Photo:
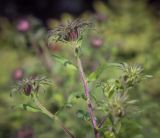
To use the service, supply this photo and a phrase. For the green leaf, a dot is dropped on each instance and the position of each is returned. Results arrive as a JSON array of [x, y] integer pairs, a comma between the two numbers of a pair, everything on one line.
[[65, 62], [75, 96], [80, 114], [27, 107], [148, 76], [118, 127], [68, 105], [95, 75], [132, 101], [109, 134], [86, 116]]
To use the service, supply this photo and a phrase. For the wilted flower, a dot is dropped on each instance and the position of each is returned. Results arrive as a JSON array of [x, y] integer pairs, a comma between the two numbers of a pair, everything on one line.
[[71, 31], [23, 25], [30, 85]]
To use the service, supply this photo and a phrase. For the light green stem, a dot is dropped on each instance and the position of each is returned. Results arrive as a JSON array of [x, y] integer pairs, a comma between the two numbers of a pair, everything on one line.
[[49, 114]]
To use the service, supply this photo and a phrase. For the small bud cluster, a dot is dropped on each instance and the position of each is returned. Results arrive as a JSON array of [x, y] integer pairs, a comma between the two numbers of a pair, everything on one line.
[[117, 102], [131, 74]]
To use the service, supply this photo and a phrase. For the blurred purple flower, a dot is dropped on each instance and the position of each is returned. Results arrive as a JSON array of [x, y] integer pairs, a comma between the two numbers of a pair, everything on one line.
[[100, 17], [23, 25], [96, 42], [18, 74], [25, 133]]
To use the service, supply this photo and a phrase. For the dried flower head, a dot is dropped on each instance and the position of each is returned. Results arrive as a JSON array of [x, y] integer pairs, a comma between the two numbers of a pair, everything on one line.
[[30, 85], [71, 31]]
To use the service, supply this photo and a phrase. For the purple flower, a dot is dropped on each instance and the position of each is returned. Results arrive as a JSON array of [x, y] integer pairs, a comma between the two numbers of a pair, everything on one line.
[[18, 74], [100, 17], [23, 25], [25, 133], [96, 42], [28, 89]]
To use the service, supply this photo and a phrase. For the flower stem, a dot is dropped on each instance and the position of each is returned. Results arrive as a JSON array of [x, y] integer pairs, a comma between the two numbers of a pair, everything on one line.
[[103, 121], [87, 94], [49, 114]]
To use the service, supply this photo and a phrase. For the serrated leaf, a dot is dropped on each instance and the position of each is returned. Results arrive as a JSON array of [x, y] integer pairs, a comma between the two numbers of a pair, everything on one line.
[[27, 107], [65, 62]]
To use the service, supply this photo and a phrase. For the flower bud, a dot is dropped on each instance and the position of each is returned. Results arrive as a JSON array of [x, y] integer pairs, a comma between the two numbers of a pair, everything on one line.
[[28, 89], [120, 113], [73, 35]]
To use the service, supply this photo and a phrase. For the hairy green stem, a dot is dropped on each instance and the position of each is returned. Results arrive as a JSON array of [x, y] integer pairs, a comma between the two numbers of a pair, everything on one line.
[[89, 102], [49, 114]]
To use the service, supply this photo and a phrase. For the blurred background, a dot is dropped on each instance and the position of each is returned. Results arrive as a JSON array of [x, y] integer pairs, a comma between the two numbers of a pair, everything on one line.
[[126, 31]]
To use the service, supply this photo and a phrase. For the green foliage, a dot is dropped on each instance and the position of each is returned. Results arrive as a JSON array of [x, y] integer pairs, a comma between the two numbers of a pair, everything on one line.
[[65, 62], [95, 75], [27, 107], [120, 92]]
